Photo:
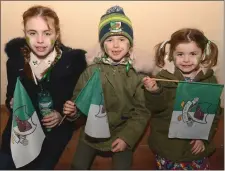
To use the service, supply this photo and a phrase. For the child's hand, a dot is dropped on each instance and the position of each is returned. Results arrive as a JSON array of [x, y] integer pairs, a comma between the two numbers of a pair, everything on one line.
[[11, 103], [52, 119], [150, 84], [118, 145], [69, 109], [198, 146]]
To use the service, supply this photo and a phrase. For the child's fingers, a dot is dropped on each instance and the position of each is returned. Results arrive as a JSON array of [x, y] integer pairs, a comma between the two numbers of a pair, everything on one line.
[[118, 147], [194, 149], [152, 80], [50, 123], [115, 142], [69, 109], [69, 102], [149, 81], [200, 146], [146, 81], [145, 78], [197, 150], [68, 112], [115, 146], [50, 115], [53, 124], [48, 118], [194, 146], [152, 83], [203, 148], [11, 103], [192, 141]]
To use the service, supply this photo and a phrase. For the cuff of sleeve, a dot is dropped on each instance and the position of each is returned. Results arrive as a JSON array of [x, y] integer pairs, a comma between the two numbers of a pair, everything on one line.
[[157, 92], [73, 118], [129, 143]]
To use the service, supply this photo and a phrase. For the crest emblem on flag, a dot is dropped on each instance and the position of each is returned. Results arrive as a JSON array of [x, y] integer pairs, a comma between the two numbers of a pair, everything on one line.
[[22, 126], [194, 110]]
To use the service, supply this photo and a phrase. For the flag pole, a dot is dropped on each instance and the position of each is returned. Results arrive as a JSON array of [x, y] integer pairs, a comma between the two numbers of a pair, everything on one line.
[[158, 79], [62, 120]]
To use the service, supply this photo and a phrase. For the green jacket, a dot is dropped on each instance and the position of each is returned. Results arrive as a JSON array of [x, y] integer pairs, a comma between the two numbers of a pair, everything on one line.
[[124, 102], [161, 104]]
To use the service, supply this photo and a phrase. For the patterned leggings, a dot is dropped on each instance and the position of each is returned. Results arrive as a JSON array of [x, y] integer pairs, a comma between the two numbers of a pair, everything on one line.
[[165, 164]]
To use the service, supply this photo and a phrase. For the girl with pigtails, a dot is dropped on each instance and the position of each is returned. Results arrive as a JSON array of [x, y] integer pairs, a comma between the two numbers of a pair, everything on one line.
[[191, 56], [43, 63]]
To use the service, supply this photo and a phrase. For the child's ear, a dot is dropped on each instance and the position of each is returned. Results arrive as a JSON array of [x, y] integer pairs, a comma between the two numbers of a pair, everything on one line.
[[131, 50], [57, 36]]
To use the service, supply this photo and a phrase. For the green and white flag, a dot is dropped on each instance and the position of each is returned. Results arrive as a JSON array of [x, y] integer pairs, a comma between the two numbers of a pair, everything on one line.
[[194, 110], [27, 135], [90, 102]]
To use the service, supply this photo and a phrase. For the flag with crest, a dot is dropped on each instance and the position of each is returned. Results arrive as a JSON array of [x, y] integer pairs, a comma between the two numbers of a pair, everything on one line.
[[195, 107], [90, 102], [27, 135]]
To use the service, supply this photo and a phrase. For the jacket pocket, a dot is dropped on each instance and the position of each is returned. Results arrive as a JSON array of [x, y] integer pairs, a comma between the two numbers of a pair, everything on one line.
[[115, 119], [126, 115]]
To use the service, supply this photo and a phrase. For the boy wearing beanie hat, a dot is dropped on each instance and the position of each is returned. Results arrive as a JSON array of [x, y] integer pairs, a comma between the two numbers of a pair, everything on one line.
[[123, 95], [115, 22]]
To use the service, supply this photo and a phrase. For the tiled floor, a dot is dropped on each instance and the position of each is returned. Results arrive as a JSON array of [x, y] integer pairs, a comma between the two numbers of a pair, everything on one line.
[[143, 157]]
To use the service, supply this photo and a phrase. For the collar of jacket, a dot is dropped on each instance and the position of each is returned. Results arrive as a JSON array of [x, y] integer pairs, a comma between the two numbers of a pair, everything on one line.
[[177, 75]]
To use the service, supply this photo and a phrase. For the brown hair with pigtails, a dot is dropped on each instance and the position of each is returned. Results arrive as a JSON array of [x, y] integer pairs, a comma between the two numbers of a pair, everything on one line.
[[160, 54], [46, 13], [186, 35]]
